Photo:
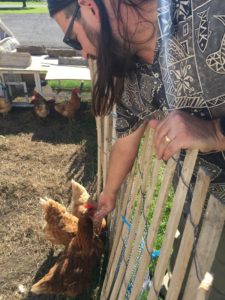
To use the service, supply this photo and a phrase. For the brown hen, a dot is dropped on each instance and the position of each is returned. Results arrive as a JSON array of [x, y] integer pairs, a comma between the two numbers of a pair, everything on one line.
[[71, 274], [69, 108], [81, 204], [5, 106], [60, 226], [42, 107], [79, 197]]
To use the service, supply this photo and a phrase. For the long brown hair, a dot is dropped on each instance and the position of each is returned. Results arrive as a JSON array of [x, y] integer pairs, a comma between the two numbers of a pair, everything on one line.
[[114, 61]]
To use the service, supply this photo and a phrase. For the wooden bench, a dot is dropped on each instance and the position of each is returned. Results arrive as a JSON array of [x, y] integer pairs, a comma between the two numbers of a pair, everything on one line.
[[24, 2]]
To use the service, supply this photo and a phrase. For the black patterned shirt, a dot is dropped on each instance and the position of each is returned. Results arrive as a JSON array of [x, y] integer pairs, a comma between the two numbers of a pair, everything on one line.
[[188, 73]]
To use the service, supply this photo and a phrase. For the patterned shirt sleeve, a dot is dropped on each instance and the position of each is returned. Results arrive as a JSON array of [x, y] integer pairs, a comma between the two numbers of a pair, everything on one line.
[[143, 90]]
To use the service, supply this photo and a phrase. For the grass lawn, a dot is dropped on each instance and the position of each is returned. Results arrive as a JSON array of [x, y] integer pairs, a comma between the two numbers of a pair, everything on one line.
[[69, 84], [17, 8]]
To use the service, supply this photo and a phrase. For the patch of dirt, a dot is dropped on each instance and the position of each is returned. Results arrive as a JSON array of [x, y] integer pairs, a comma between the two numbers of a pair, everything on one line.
[[38, 158]]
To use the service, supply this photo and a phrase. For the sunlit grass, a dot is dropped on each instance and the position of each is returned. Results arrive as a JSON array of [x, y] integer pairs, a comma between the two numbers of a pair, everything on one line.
[[69, 84]]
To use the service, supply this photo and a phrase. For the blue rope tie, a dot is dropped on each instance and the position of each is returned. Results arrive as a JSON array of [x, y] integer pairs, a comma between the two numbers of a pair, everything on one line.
[[126, 222], [155, 253]]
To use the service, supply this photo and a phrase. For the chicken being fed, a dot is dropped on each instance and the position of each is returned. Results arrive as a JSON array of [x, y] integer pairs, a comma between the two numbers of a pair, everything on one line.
[[71, 274], [42, 107], [81, 203], [69, 108], [79, 197], [61, 226], [5, 106]]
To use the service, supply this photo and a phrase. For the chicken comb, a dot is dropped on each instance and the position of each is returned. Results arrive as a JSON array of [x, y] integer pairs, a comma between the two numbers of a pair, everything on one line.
[[75, 91], [91, 208], [88, 205]]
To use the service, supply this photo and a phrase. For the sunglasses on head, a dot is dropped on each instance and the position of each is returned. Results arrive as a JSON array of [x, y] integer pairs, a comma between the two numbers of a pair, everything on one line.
[[67, 38]]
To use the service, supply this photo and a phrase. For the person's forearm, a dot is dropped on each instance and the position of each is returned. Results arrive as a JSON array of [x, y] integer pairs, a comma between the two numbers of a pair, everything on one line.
[[122, 157]]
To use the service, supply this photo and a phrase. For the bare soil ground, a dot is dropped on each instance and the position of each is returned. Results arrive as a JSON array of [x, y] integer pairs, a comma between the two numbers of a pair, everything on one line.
[[38, 158]]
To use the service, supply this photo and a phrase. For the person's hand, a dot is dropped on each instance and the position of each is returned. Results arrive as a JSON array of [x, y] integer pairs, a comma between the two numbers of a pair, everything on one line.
[[180, 130], [106, 204]]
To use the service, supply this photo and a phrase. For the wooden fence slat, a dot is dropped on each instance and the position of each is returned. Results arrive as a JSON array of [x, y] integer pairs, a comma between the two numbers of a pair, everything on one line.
[[123, 267], [123, 200], [111, 271], [188, 239], [102, 145], [118, 207], [99, 171], [147, 161], [116, 212], [179, 198], [208, 239], [92, 67], [153, 229], [107, 134], [106, 148], [114, 136]]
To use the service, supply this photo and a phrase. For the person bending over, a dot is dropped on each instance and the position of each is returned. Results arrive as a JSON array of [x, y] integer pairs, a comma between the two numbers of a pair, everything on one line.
[[161, 63]]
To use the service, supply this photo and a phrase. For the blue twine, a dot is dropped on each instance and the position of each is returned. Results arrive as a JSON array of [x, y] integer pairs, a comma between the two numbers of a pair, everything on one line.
[[126, 222], [155, 253]]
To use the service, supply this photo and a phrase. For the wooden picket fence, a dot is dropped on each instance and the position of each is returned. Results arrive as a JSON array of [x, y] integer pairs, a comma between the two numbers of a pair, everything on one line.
[[133, 233]]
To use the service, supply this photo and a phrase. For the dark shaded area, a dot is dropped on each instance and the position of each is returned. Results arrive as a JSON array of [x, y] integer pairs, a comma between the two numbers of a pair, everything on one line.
[[92, 294], [23, 2], [15, 8]]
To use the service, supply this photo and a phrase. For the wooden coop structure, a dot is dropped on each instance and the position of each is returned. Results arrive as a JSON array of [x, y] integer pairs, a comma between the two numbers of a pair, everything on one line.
[[29, 75], [134, 226]]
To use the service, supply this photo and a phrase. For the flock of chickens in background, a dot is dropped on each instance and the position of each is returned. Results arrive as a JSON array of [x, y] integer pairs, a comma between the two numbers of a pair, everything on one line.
[[44, 108], [83, 240]]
